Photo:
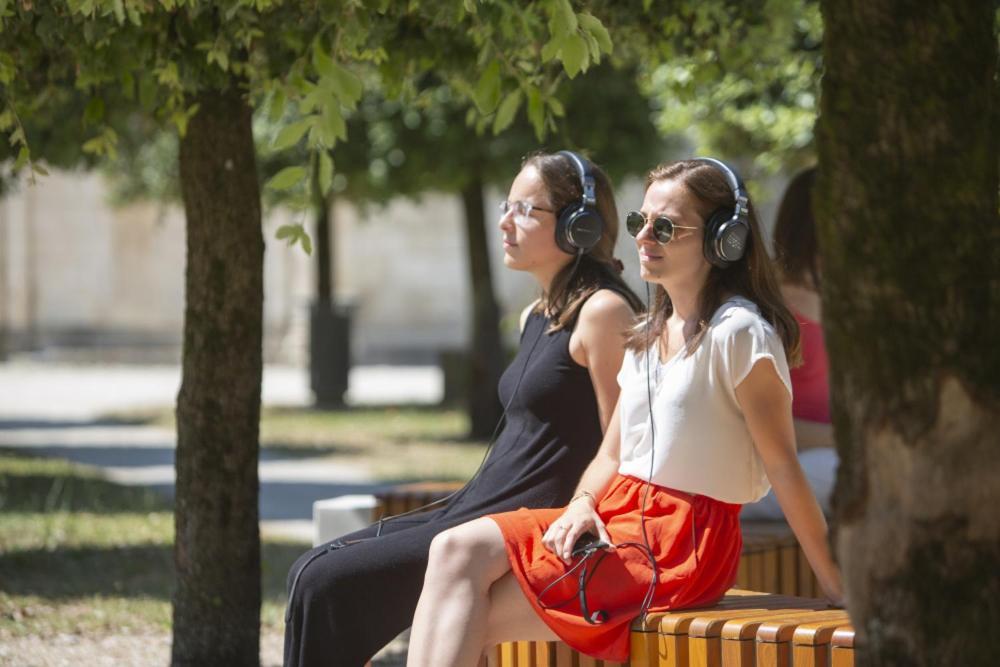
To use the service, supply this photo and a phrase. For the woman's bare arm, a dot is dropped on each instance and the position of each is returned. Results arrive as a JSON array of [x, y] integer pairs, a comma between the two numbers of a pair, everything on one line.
[[766, 407]]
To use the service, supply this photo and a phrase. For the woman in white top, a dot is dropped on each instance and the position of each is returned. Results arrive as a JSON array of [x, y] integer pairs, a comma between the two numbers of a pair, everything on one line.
[[703, 425]]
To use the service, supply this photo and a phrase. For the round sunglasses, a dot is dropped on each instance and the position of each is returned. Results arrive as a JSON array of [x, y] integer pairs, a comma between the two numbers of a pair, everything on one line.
[[663, 227]]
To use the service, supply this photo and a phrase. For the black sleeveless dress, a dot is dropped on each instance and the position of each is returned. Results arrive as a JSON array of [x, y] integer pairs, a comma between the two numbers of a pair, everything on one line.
[[349, 602]]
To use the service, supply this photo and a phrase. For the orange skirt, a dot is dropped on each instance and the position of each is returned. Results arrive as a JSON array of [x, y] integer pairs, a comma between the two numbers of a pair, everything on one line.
[[695, 540]]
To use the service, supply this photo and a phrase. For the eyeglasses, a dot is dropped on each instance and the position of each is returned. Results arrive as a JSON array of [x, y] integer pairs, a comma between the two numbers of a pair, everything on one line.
[[520, 208], [663, 227]]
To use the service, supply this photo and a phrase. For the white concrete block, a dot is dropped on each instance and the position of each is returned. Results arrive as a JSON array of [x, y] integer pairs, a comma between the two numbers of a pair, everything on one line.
[[333, 517]]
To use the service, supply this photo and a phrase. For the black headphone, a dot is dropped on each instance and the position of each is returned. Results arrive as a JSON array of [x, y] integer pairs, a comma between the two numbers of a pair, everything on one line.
[[727, 230], [579, 225]]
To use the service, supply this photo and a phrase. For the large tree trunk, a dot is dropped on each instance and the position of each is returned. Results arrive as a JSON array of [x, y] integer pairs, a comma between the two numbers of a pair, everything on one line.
[[217, 544], [910, 238], [486, 350]]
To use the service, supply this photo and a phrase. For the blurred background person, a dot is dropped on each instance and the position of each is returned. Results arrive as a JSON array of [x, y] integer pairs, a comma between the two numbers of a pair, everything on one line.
[[801, 274]]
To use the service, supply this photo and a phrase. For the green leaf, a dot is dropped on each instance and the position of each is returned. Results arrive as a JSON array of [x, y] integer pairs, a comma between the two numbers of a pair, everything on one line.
[[574, 55], [563, 20], [321, 61], [325, 172], [487, 94], [593, 25], [7, 68], [312, 99], [17, 137], [507, 111], [39, 169], [346, 85], [23, 156], [332, 126], [286, 178], [552, 48], [291, 134], [295, 234], [470, 6], [536, 112], [277, 110], [557, 107], [220, 57], [119, 7]]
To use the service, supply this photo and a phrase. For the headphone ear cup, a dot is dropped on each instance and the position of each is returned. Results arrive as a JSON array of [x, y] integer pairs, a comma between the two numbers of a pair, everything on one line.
[[713, 225], [578, 228], [725, 238]]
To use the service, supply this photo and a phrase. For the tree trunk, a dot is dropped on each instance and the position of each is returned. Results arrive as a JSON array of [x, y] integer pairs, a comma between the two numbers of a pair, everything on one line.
[[910, 237], [486, 350], [322, 205], [216, 616], [329, 325]]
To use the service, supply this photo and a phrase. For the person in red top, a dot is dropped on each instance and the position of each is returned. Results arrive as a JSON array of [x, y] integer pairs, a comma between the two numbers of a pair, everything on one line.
[[800, 267]]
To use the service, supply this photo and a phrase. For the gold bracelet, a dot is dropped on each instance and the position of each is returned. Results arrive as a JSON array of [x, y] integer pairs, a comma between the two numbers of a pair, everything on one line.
[[581, 494]]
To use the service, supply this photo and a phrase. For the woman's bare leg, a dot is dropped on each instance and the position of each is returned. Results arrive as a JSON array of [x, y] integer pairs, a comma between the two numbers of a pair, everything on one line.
[[511, 617], [450, 623]]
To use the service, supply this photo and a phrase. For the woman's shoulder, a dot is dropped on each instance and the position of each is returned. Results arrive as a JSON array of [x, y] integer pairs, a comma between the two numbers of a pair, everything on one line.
[[739, 316], [606, 302], [605, 310]]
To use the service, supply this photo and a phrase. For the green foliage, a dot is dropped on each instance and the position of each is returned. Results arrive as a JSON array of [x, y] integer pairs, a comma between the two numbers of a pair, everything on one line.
[[744, 77], [295, 233], [741, 78], [159, 55]]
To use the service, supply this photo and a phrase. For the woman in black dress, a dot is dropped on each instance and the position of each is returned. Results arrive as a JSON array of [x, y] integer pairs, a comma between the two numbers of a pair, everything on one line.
[[350, 597]]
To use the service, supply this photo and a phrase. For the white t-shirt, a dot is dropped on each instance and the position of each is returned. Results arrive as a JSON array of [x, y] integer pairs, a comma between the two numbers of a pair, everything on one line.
[[703, 445]]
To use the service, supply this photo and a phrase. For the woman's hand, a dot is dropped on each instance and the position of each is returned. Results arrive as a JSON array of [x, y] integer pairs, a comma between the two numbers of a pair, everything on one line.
[[832, 587], [580, 517]]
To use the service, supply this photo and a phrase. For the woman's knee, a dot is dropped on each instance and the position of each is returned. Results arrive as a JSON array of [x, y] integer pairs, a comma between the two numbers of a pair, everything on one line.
[[450, 552], [467, 551], [317, 579]]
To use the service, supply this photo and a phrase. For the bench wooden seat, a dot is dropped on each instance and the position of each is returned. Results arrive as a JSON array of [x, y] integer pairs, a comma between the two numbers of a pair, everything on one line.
[[745, 629]]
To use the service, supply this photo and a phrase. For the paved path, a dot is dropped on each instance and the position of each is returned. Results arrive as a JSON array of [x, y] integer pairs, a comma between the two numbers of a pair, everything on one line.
[[54, 410]]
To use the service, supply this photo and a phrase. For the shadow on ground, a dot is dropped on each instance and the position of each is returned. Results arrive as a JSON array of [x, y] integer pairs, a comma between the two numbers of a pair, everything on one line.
[[138, 570], [30, 483]]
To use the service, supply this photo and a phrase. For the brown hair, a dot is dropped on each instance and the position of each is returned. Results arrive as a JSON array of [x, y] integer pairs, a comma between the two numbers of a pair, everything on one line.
[[752, 277], [795, 232], [597, 269]]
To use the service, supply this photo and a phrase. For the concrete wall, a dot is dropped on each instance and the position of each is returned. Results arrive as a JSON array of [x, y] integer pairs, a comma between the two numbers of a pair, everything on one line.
[[81, 278]]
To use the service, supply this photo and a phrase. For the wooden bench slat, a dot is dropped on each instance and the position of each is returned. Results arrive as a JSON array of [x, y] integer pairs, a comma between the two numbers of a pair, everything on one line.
[[842, 647]]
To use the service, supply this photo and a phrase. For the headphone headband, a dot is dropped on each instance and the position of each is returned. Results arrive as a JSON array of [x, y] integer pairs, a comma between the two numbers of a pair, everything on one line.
[[727, 232], [586, 178], [740, 196], [579, 226]]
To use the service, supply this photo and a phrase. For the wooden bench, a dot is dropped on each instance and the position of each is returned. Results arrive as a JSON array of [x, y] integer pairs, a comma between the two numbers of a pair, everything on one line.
[[772, 560], [745, 629]]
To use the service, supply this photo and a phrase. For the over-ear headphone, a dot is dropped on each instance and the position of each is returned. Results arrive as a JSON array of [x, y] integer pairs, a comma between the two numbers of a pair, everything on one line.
[[579, 225], [727, 230]]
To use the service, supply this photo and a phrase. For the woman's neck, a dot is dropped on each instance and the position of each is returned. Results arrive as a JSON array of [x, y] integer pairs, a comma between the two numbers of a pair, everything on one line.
[[546, 275], [685, 298]]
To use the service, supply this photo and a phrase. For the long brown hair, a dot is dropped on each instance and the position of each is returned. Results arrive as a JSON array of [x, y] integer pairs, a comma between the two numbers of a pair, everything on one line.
[[571, 287], [752, 277], [795, 232]]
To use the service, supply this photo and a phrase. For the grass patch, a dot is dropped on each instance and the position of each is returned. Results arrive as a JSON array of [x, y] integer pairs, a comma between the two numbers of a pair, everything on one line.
[[79, 554]]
